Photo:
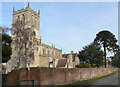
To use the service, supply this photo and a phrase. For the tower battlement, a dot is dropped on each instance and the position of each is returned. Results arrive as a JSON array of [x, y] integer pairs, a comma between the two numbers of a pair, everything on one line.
[[26, 9]]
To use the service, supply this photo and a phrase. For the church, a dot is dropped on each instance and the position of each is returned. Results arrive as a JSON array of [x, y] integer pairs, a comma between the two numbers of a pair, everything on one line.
[[27, 44]]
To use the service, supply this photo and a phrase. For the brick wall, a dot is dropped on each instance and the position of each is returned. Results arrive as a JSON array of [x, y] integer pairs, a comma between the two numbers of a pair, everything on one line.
[[44, 76]]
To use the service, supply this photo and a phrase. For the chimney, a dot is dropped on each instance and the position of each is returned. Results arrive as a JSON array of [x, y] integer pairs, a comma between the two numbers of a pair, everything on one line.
[[72, 52]]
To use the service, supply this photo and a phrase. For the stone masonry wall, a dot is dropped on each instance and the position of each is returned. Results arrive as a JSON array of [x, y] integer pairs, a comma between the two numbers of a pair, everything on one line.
[[44, 76]]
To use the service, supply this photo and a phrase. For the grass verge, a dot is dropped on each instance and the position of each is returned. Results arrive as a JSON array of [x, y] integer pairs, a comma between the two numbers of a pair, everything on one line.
[[85, 81]]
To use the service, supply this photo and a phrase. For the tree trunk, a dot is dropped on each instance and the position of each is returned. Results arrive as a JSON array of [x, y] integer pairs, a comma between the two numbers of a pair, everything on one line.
[[105, 55], [112, 59]]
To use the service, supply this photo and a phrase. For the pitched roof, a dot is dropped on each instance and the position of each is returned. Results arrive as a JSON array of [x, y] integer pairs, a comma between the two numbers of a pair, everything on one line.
[[61, 62]]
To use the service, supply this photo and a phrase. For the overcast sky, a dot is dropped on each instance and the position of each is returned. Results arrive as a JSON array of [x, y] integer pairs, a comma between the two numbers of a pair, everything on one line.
[[69, 25]]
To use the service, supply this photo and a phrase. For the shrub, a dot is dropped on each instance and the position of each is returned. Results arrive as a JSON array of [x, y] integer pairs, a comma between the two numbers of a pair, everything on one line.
[[94, 66], [83, 65]]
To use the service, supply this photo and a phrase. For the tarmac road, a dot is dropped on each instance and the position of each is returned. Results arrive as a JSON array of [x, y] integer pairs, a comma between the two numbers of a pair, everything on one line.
[[110, 81]]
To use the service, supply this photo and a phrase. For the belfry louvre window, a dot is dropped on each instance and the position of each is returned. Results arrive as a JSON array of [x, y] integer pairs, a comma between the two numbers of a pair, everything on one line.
[[23, 18], [34, 33], [18, 19]]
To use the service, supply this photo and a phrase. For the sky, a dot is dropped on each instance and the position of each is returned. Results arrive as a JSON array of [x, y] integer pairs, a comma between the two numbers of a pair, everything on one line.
[[69, 25]]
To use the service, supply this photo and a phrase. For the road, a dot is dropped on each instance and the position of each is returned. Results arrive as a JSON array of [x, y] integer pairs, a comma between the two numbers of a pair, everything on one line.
[[110, 81]]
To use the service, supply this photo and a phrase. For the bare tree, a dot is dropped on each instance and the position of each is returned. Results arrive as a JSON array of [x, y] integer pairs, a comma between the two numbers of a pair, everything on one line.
[[4, 30]]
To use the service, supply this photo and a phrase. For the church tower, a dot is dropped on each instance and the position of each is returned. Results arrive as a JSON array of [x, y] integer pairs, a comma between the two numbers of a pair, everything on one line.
[[30, 18], [25, 37]]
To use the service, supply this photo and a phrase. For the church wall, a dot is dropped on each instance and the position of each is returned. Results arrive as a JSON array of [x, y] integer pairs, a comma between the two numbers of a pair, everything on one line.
[[40, 62]]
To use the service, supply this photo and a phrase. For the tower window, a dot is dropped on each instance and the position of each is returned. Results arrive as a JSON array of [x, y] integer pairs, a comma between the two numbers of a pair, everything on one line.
[[18, 19], [34, 33], [23, 18], [43, 51]]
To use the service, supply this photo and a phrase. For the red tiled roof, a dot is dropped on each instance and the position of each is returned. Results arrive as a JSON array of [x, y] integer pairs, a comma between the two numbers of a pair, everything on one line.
[[61, 62]]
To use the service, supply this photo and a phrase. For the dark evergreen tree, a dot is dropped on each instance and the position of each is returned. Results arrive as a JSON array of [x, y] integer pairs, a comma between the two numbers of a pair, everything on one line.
[[107, 40], [91, 54], [6, 44]]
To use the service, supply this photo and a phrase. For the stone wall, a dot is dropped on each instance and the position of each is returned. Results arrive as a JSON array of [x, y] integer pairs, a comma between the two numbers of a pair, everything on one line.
[[44, 76]]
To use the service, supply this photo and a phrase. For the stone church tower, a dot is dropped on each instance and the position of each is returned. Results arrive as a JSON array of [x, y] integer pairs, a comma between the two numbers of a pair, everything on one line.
[[25, 37]]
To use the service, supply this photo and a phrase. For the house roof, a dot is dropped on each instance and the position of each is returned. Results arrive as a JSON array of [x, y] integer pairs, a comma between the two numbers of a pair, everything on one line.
[[61, 62]]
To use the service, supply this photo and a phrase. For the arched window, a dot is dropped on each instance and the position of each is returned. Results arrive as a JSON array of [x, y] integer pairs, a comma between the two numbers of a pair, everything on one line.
[[34, 33], [18, 19], [23, 18], [43, 51]]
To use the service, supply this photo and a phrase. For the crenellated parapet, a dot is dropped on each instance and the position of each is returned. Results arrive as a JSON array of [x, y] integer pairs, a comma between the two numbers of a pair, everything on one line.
[[50, 51], [51, 47], [25, 10]]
